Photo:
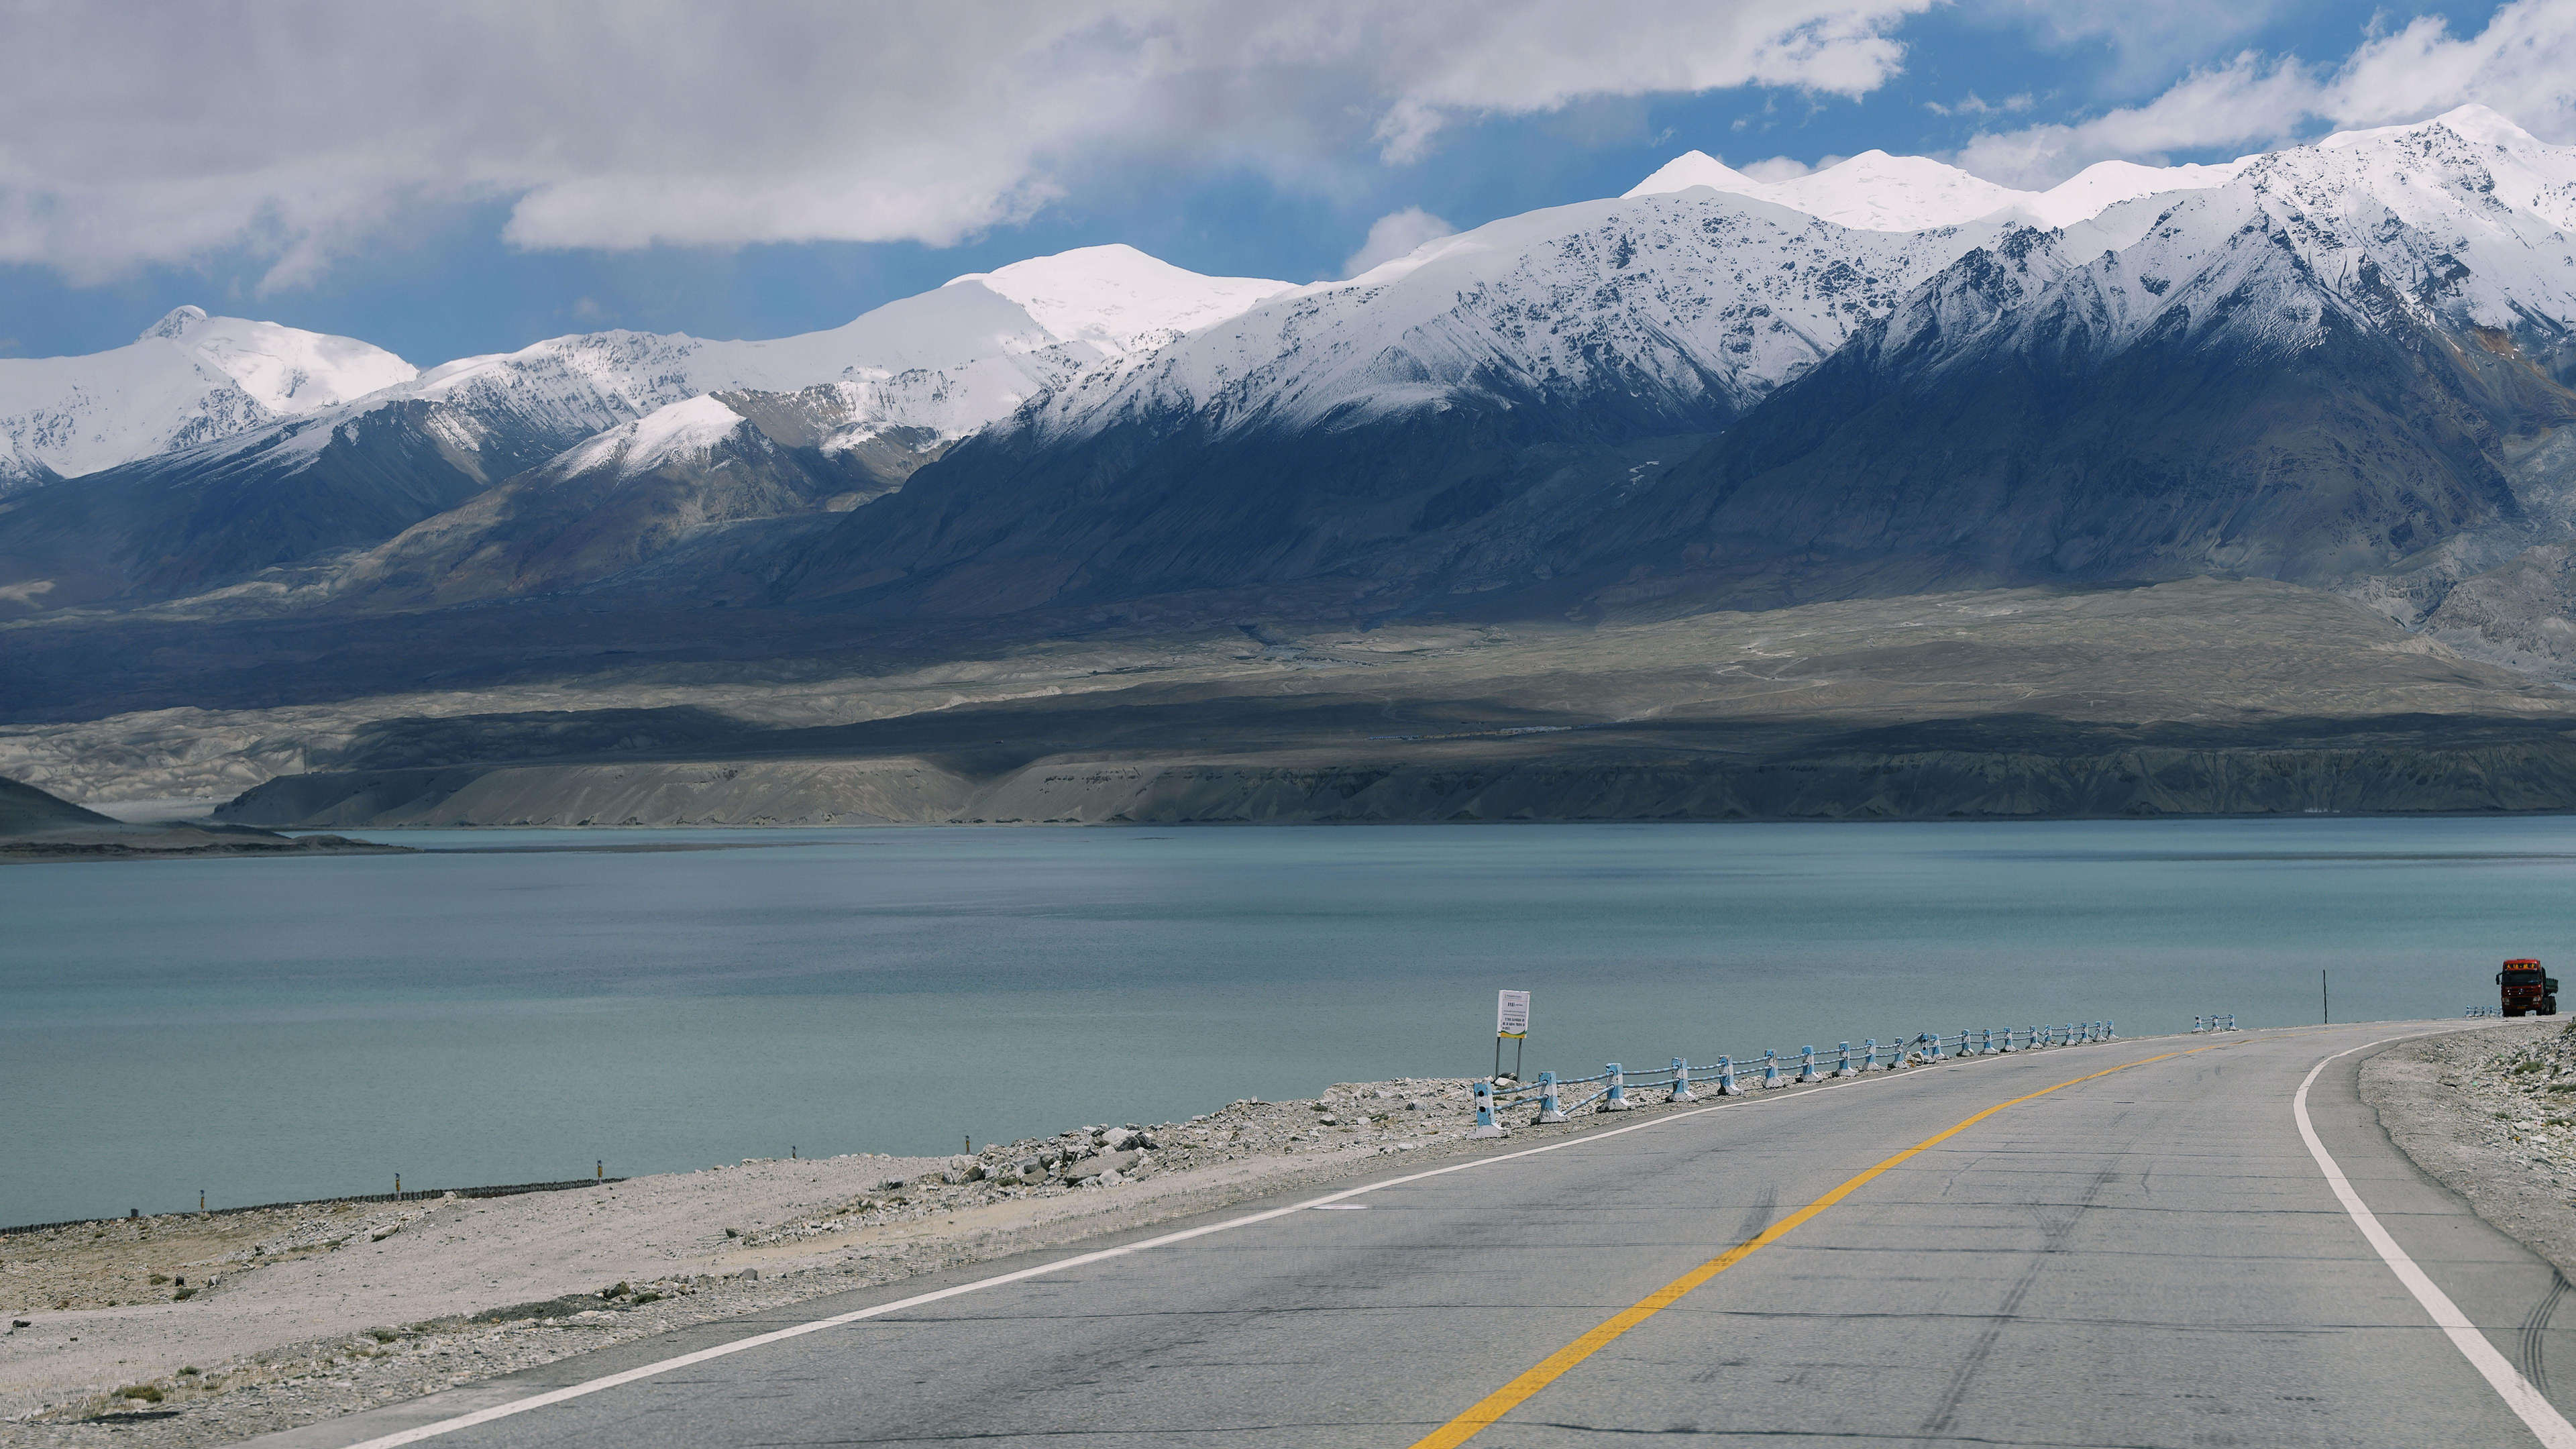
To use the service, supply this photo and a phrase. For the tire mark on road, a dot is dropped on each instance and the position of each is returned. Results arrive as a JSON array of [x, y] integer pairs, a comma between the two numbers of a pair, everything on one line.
[[2056, 1228], [2535, 1333]]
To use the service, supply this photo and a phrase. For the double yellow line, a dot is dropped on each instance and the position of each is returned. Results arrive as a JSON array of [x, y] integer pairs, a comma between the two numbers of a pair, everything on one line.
[[1548, 1370]]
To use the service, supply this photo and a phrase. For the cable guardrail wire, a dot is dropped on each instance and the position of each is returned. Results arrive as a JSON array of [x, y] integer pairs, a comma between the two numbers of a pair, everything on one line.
[[1682, 1082]]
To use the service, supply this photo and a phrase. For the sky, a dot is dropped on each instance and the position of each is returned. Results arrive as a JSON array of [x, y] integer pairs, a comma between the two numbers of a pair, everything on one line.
[[473, 177]]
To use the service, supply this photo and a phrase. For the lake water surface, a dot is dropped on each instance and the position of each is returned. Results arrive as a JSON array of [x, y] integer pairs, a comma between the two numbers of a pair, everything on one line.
[[514, 1006]]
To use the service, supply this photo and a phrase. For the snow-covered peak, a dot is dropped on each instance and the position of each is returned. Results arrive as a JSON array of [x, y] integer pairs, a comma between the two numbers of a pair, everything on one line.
[[189, 379], [176, 321], [2105, 184], [1116, 297], [684, 431], [1694, 168], [1874, 191]]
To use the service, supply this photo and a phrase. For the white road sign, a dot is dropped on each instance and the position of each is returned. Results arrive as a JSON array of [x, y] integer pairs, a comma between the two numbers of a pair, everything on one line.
[[1511, 1013]]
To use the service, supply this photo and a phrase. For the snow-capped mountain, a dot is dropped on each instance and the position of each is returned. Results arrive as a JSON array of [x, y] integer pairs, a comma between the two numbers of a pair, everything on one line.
[[2317, 348], [188, 379], [1692, 306], [1874, 191], [2310, 370], [948, 360], [1531, 343], [901, 380]]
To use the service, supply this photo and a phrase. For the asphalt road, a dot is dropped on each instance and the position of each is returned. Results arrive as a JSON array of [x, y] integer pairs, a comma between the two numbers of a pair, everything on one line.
[[2149, 1257]]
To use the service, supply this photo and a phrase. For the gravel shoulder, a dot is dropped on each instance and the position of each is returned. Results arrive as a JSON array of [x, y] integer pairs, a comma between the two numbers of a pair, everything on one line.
[[2491, 1115], [292, 1315]]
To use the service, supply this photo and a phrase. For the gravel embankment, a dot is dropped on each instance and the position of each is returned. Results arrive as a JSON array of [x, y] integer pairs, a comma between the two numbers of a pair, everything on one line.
[[183, 1330], [2491, 1114]]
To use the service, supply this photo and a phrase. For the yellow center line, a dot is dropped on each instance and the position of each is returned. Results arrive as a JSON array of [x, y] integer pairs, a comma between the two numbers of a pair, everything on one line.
[[1548, 1370]]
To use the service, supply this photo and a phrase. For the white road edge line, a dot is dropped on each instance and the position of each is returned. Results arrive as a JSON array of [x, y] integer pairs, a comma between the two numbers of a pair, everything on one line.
[[609, 1381], [2547, 1425]]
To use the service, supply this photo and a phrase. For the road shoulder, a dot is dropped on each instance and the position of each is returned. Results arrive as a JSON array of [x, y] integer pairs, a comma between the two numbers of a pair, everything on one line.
[[2476, 1111]]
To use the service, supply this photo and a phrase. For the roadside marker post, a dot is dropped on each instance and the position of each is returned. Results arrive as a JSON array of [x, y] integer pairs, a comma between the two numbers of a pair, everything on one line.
[[1616, 1100], [1872, 1064], [1807, 1065], [1486, 1126], [1727, 1086], [1843, 1068], [1681, 1081], [1770, 1069], [1548, 1110]]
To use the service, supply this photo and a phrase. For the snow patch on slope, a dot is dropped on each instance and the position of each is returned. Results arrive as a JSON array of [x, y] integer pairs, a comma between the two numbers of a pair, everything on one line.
[[685, 431]]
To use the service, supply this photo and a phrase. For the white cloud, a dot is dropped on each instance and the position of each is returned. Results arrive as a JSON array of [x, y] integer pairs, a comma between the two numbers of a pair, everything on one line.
[[1393, 235], [1977, 105], [2522, 64], [296, 129]]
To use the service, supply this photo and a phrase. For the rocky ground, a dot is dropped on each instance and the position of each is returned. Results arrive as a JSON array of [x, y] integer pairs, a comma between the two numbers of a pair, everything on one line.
[[2491, 1114], [187, 1329]]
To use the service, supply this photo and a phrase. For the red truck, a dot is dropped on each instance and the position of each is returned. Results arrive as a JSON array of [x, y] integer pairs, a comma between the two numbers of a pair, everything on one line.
[[2527, 989]]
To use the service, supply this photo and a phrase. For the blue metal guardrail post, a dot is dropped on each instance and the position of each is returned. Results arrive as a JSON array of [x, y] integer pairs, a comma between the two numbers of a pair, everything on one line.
[[1936, 1050], [1986, 1041], [2110, 1030], [1771, 1069], [1871, 1064], [1681, 1081], [1548, 1110], [1807, 1065], [1727, 1086], [2071, 1037], [1485, 1126], [2231, 1021], [1617, 1098], [1843, 1067]]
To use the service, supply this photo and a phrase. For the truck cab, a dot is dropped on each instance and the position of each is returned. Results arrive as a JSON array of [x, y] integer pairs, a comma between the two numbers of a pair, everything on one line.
[[2527, 989]]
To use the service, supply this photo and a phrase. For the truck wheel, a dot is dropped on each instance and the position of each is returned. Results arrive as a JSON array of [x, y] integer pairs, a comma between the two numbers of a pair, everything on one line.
[[2549, 1006]]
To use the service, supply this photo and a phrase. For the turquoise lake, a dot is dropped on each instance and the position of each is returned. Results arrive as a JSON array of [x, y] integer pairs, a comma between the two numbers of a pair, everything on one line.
[[521, 1005]]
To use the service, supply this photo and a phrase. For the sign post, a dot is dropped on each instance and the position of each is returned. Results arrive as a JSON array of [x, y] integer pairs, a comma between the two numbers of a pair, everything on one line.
[[1511, 1019]]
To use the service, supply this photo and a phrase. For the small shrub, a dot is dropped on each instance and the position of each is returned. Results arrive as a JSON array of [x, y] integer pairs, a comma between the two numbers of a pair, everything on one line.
[[183, 1295], [620, 1291], [188, 1373], [145, 1392], [648, 1298], [383, 1335], [157, 1279]]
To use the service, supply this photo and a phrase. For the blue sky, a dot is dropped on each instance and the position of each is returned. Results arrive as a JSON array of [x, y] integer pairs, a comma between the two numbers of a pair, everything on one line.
[[422, 265]]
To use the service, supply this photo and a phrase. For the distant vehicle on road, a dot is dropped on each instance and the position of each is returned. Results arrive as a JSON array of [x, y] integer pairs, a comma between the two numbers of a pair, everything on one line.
[[2526, 989]]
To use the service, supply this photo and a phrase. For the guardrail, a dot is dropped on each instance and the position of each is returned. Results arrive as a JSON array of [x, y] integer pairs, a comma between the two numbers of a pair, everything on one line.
[[2212, 1023], [2483, 1011], [1681, 1082]]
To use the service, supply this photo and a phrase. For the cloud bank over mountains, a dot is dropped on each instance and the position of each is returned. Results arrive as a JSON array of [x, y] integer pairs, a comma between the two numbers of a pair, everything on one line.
[[297, 129], [296, 133]]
